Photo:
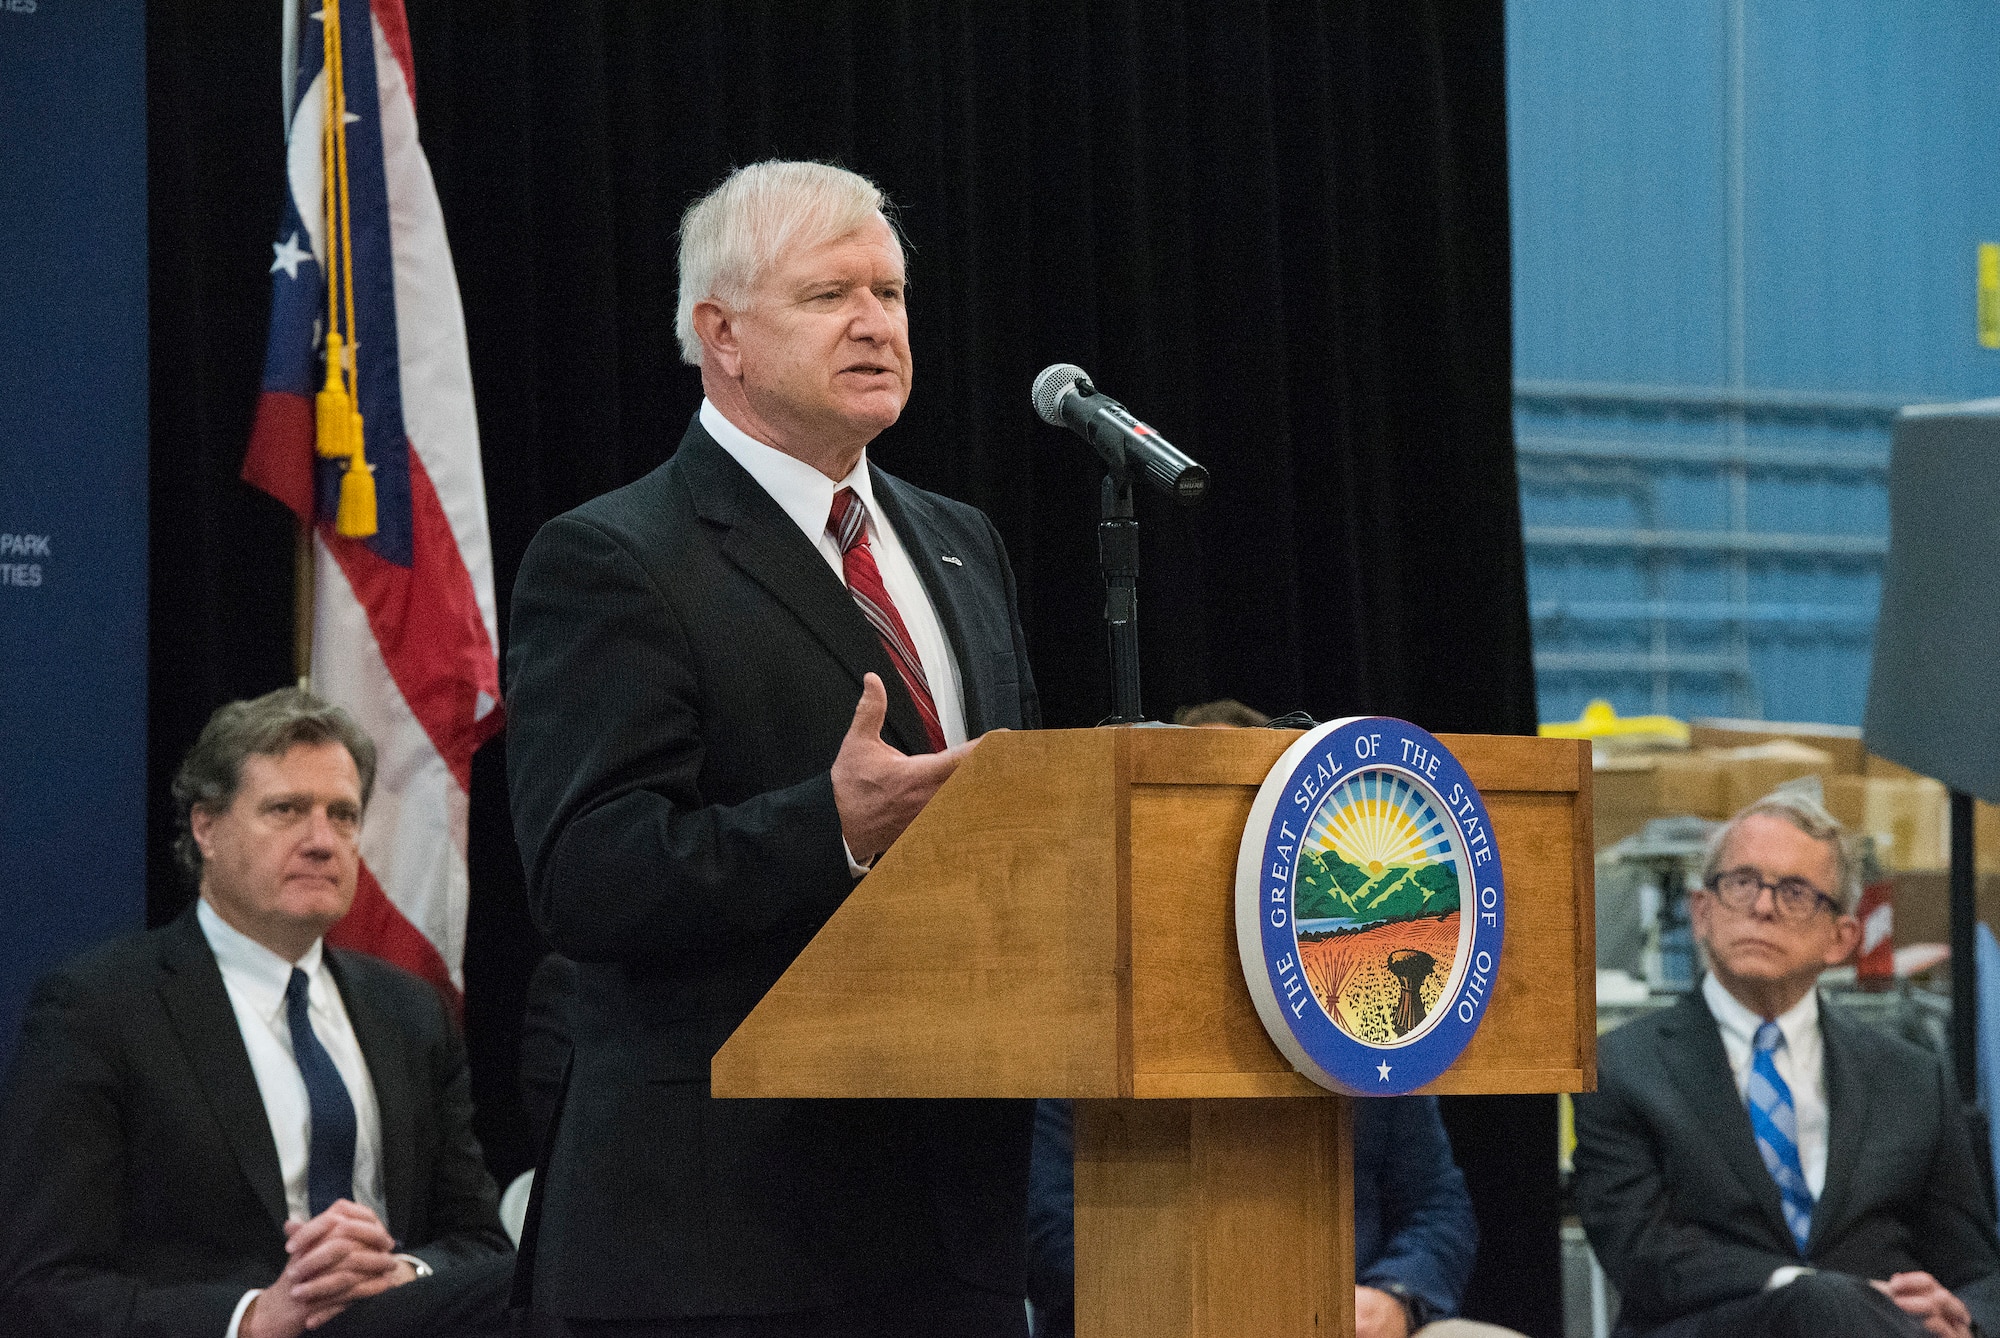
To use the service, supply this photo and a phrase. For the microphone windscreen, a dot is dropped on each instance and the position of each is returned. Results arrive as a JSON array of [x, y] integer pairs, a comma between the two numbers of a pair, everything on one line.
[[1054, 381]]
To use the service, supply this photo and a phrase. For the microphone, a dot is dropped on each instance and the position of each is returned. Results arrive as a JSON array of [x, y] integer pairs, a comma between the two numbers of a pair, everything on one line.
[[1064, 397]]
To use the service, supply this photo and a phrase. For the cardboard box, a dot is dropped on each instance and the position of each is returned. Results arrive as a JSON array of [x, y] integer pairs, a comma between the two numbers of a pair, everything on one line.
[[1749, 773], [1909, 815], [1630, 790], [1985, 817], [1887, 770], [1910, 821], [1623, 791], [1923, 906], [1691, 785], [1841, 743], [1846, 797]]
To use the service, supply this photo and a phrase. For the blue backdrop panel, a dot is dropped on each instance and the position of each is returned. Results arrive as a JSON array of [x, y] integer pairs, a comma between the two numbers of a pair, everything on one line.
[[1745, 233], [72, 483]]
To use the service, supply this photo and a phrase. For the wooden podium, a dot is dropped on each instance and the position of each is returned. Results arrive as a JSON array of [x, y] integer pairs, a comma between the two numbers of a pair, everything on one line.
[[1060, 922]]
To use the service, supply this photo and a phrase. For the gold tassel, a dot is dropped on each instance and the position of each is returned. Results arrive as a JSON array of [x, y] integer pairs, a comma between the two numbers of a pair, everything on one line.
[[334, 434], [356, 517], [339, 414]]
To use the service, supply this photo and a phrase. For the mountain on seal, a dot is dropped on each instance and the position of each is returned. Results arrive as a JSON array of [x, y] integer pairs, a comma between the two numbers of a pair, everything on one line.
[[1330, 888]]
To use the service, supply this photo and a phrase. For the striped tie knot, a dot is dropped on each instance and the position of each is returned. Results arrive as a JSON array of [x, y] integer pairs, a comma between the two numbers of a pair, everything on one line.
[[848, 522], [1768, 1038]]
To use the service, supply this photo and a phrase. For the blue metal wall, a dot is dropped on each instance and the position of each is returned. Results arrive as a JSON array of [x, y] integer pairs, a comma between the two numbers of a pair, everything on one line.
[[1744, 233]]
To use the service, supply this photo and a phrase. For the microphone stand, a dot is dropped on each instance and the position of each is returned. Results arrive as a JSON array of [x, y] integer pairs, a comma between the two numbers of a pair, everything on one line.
[[1118, 558]]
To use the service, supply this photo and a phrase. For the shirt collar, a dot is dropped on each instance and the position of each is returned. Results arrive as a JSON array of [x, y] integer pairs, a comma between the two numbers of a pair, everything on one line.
[[249, 966], [1735, 1018], [804, 494]]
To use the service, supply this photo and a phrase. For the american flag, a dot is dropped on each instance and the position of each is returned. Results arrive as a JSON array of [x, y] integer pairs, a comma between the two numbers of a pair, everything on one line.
[[404, 631]]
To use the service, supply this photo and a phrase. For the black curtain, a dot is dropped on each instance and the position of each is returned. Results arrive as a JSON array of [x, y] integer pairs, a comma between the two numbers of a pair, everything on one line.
[[1278, 232]]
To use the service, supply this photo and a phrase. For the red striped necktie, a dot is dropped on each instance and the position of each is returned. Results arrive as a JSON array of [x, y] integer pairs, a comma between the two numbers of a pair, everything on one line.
[[848, 524]]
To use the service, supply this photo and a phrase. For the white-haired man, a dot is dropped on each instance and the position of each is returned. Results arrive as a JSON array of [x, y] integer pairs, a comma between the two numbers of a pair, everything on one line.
[[732, 685], [1754, 1163]]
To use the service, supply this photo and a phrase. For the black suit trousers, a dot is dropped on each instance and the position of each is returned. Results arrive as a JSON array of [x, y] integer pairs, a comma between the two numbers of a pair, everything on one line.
[[1818, 1305]]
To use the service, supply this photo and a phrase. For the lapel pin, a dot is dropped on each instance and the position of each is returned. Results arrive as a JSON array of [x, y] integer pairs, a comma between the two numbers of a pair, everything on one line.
[[946, 557]]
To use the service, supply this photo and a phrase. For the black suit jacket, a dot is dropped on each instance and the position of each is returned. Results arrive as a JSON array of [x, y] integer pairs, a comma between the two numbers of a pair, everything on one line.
[[1684, 1216], [683, 667], [139, 1185]]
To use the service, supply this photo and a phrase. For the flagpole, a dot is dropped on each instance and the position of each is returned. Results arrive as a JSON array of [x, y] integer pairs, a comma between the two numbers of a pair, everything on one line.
[[302, 544], [288, 61], [302, 606]]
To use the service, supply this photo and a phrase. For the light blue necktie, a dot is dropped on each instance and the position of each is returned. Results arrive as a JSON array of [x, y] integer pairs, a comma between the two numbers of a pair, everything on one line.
[[1776, 1126], [330, 1147]]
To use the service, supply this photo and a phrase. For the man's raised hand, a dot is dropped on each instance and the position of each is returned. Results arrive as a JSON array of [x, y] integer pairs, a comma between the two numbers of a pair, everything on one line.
[[878, 790]]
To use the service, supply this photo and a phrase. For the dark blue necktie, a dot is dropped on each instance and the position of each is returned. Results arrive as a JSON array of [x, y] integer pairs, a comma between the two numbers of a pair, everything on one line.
[[330, 1148], [1776, 1125]]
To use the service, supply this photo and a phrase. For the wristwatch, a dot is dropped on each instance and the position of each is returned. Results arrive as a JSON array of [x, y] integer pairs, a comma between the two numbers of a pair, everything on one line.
[[1416, 1310]]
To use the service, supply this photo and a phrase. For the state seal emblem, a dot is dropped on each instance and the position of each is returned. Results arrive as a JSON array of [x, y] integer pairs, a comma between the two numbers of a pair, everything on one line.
[[1369, 906]]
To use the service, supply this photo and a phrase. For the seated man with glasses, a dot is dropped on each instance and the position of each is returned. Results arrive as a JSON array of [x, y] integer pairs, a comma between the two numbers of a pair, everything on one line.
[[1754, 1162]]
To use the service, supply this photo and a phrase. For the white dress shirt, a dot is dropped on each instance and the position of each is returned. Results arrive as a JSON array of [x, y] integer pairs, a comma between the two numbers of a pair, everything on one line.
[[806, 495], [255, 978]]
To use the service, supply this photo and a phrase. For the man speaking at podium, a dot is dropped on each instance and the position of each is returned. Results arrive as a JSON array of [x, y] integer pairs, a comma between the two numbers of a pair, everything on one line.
[[733, 684]]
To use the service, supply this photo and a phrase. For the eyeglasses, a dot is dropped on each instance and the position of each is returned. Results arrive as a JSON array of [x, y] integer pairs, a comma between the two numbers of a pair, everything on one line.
[[1793, 898]]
